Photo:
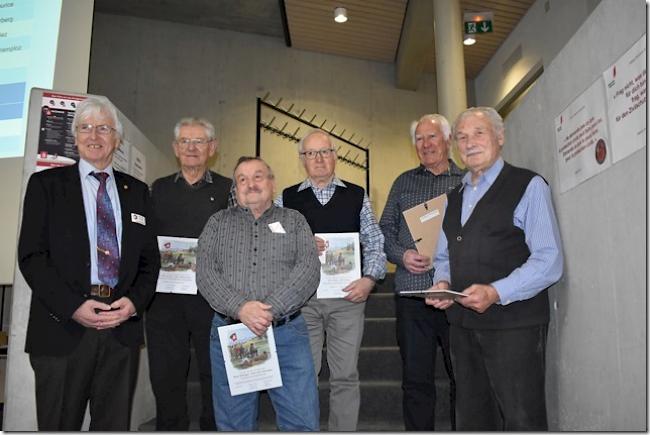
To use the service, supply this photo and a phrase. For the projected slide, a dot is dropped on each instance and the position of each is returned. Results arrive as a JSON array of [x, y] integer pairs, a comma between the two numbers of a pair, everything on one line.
[[28, 37]]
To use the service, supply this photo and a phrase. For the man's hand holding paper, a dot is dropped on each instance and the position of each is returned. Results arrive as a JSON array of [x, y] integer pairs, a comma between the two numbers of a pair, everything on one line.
[[416, 263]]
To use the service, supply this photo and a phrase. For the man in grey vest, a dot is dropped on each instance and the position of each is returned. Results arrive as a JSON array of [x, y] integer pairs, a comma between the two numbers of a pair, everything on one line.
[[333, 206], [501, 247]]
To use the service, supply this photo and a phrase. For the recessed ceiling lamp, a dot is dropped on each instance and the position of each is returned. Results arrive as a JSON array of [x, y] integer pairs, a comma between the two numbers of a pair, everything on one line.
[[340, 15], [469, 40]]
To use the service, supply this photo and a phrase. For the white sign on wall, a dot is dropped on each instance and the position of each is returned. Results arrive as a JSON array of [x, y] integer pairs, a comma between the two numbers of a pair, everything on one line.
[[625, 86], [138, 164], [581, 138]]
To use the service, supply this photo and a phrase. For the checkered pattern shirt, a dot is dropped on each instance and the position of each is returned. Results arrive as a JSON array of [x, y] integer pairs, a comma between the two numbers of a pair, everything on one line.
[[370, 236], [411, 188]]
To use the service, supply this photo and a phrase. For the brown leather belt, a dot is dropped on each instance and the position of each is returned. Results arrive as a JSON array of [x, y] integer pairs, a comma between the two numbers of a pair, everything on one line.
[[101, 291]]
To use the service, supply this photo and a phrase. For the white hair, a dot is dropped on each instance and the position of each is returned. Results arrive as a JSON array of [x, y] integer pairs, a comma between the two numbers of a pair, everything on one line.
[[184, 122], [441, 120], [96, 105], [492, 115]]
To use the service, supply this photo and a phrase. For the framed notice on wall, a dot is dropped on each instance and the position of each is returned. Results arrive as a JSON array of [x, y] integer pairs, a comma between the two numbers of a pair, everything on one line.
[[581, 138], [625, 82]]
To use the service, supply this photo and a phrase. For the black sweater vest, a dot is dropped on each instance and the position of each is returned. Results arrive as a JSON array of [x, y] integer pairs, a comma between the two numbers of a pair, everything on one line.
[[339, 215], [489, 247]]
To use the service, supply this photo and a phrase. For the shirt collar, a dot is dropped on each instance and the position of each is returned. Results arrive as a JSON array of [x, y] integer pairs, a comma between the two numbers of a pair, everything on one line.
[[247, 211], [86, 169], [207, 177], [489, 175], [452, 170], [307, 183]]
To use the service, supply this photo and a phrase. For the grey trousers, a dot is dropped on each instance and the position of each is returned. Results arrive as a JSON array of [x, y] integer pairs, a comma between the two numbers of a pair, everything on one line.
[[338, 323]]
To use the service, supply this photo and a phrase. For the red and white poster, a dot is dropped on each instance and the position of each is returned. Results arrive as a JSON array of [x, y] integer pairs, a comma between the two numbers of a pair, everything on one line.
[[582, 139], [56, 145], [625, 82]]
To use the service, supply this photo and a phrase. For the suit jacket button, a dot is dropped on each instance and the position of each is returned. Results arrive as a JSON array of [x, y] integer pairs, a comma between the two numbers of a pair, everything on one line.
[[459, 238]]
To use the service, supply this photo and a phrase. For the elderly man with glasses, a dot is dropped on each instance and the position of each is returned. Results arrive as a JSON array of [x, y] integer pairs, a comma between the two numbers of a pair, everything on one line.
[[333, 206], [183, 202], [89, 255]]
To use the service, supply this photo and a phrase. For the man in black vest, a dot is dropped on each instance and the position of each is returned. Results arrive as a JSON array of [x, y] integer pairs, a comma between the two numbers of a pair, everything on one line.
[[333, 206], [501, 247], [183, 202]]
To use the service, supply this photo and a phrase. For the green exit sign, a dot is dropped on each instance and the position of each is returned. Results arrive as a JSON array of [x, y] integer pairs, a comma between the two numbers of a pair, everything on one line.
[[472, 27]]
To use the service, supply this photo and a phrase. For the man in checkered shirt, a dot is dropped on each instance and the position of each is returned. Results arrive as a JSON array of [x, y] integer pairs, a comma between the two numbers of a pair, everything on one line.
[[419, 326]]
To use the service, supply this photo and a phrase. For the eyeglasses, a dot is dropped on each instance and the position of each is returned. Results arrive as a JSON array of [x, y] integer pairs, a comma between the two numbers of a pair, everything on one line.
[[311, 155], [102, 130], [197, 142]]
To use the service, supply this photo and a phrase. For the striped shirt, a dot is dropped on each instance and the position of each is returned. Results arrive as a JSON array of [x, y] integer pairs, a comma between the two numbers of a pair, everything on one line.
[[536, 217], [371, 238], [240, 259], [411, 188]]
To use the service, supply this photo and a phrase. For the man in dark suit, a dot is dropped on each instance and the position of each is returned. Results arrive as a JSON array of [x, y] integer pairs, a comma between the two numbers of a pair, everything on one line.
[[91, 260]]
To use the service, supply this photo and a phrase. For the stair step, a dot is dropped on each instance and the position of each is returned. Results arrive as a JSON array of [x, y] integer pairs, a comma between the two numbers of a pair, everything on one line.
[[380, 305], [381, 405], [386, 285], [379, 331]]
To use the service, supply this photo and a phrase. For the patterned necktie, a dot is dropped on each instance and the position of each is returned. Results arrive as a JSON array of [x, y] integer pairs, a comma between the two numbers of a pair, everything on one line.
[[108, 255]]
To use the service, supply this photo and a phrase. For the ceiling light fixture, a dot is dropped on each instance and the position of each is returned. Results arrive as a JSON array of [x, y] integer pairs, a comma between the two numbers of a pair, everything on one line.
[[469, 40], [340, 15]]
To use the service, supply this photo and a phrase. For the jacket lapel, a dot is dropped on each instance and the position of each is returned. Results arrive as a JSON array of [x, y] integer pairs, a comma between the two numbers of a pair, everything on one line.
[[123, 192], [76, 215]]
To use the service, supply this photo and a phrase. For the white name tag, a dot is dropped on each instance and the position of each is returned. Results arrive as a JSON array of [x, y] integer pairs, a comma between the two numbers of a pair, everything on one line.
[[276, 227], [429, 216], [138, 219]]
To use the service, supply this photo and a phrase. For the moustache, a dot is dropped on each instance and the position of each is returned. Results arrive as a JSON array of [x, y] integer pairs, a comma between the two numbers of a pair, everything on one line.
[[253, 190]]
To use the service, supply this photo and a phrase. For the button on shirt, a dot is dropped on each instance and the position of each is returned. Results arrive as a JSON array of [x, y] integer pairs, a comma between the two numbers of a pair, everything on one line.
[[371, 238], [240, 259], [89, 188], [536, 217]]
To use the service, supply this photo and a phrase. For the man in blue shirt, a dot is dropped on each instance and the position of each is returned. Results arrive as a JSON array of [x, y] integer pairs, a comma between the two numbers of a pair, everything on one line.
[[501, 247]]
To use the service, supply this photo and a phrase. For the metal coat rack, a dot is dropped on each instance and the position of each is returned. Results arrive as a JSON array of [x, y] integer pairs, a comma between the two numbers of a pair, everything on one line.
[[279, 129]]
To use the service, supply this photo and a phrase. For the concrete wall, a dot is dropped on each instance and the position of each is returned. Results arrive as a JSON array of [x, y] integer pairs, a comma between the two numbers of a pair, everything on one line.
[[540, 35], [596, 372], [157, 72]]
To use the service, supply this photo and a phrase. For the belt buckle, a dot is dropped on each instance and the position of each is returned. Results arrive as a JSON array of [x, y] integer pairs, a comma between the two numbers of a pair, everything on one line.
[[102, 291]]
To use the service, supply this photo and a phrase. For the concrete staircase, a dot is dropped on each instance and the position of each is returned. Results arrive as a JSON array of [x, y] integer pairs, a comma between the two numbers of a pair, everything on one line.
[[380, 371]]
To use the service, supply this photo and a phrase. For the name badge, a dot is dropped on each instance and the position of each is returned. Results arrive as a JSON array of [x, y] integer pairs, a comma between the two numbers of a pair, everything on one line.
[[138, 219], [276, 227]]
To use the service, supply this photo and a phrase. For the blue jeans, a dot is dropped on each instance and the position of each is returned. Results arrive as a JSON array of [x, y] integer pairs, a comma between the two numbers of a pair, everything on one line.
[[295, 402]]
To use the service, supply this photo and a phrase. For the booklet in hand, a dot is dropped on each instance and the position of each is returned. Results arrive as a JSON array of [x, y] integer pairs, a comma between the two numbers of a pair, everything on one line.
[[433, 294]]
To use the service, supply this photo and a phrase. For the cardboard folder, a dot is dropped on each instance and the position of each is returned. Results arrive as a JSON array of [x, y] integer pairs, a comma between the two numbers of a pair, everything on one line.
[[424, 222]]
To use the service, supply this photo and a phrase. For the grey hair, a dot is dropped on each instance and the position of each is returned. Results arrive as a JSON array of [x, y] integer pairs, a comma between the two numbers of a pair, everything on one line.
[[246, 159], [441, 120], [184, 122], [94, 106], [301, 144], [492, 115]]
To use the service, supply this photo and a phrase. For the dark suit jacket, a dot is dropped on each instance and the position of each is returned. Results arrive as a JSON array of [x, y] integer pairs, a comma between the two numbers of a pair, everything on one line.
[[54, 258]]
